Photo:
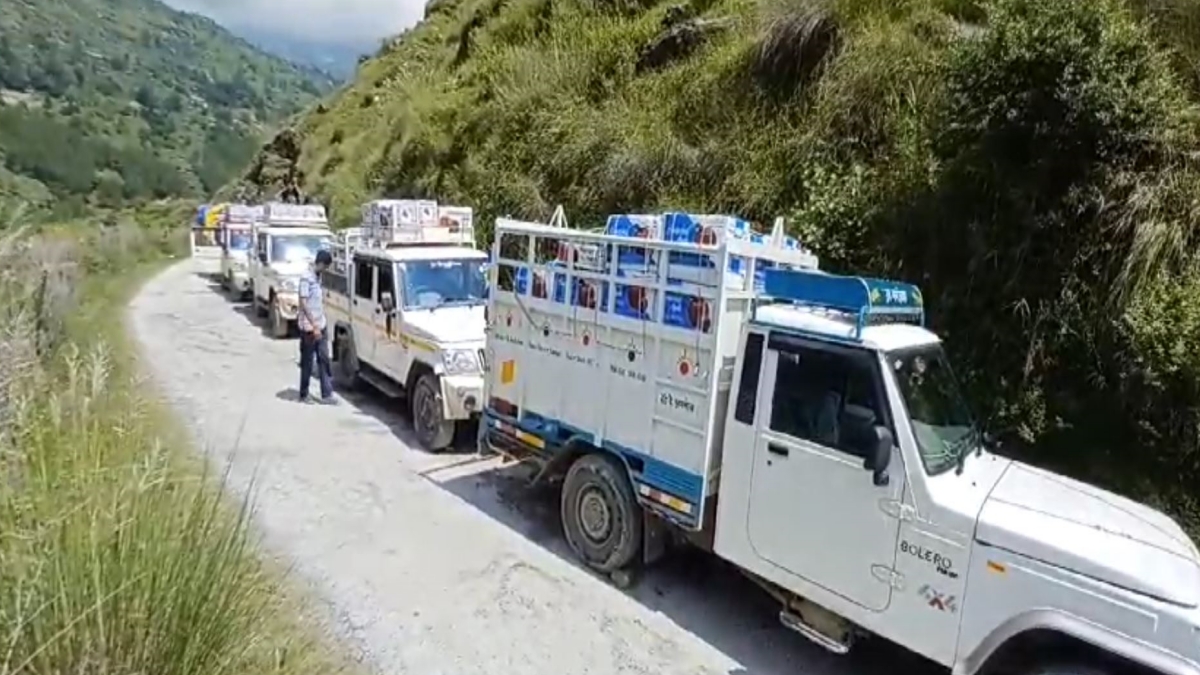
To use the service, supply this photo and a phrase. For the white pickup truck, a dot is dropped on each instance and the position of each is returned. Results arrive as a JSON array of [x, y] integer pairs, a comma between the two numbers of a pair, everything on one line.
[[405, 304], [698, 385], [285, 243], [236, 237]]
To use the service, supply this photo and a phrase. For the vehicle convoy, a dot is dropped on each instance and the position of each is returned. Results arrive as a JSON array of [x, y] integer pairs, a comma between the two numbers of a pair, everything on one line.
[[285, 243], [236, 237], [405, 300], [688, 380]]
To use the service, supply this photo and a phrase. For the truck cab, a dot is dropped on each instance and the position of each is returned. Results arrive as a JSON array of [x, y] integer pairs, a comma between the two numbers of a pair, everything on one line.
[[407, 308], [808, 428], [237, 242], [285, 243]]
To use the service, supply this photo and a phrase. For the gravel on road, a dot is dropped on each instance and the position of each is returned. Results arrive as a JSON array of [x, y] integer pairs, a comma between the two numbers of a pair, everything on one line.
[[437, 564]]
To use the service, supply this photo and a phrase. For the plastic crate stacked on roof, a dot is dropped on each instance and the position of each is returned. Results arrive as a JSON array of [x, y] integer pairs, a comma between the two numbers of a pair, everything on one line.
[[682, 309], [692, 275], [398, 222]]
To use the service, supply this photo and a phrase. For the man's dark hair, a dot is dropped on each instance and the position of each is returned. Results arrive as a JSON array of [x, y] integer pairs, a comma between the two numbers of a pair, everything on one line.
[[324, 258]]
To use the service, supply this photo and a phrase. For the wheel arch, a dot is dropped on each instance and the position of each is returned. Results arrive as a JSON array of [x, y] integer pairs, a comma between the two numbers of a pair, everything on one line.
[[1066, 637], [416, 369]]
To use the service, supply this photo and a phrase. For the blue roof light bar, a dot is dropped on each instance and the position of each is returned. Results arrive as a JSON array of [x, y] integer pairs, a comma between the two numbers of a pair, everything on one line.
[[860, 296]]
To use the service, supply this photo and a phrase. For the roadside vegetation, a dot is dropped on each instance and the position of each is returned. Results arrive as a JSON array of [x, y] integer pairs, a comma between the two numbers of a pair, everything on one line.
[[1032, 164], [118, 552]]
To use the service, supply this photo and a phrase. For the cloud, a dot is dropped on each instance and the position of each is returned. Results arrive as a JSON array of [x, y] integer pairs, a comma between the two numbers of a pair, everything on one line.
[[325, 21]]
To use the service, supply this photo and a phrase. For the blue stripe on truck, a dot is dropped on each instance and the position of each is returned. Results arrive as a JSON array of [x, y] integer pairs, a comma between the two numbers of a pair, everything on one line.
[[656, 473]]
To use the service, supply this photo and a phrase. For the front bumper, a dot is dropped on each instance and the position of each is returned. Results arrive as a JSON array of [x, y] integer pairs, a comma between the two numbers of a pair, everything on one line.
[[462, 396], [289, 305]]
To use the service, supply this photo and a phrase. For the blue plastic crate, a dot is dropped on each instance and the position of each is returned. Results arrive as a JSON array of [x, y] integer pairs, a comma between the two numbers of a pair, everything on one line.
[[678, 312], [624, 302]]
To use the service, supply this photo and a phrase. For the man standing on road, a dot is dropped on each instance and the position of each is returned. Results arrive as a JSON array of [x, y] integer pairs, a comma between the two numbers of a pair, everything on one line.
[[314, 338]]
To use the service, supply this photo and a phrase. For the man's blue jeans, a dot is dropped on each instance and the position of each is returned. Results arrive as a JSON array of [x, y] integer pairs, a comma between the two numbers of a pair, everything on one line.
[[315, 348]]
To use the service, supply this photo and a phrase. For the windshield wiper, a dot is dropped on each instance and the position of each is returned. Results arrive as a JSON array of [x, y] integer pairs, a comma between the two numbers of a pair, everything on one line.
[[962, 448]]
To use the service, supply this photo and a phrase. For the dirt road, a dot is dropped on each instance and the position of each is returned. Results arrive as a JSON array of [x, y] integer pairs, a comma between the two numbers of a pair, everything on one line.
[[437, 564]]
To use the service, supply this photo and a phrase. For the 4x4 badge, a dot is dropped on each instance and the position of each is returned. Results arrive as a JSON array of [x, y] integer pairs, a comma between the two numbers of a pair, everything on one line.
[[939, 600]]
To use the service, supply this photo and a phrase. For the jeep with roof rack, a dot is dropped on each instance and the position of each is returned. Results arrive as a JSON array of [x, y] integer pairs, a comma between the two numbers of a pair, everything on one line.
[[688, 380], [405, 298]]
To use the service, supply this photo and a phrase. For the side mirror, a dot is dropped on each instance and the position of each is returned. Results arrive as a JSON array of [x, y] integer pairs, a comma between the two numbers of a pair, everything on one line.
[[262, 258], [879, 455], [991, 442], [387, 301]]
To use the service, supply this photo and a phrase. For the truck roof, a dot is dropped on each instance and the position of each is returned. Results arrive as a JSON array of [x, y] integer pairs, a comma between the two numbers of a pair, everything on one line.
[[402, 253], [295, 229], [840, 326]]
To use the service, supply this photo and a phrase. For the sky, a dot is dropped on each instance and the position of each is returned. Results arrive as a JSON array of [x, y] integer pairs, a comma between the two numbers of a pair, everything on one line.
[[334, 22]]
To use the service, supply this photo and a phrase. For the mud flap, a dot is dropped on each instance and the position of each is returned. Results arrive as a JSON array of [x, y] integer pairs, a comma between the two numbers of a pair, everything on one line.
[[656, 537]]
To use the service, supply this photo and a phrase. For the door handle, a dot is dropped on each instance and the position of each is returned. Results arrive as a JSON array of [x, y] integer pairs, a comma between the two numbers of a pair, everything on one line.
[[775, 449]]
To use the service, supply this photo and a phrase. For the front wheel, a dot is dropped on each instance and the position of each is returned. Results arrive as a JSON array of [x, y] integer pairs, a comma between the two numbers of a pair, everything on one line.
[[434, 432], [600, 514]]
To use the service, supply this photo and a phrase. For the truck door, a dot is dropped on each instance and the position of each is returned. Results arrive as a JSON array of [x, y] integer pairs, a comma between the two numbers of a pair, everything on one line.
[[814, 508], [362, 310], [390, 353], [258, 267]]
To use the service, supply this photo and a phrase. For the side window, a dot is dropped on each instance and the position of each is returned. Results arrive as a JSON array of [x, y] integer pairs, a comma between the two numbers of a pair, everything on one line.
[[387, 282], [747, 400], [334, 281], [827, 397], [364, 279]]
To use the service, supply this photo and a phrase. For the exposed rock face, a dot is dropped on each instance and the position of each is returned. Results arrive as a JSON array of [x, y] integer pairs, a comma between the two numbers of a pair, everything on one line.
[[680, 37]]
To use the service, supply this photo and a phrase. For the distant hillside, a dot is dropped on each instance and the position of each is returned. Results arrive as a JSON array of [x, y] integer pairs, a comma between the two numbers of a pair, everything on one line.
[[338, 60], [117, 100]]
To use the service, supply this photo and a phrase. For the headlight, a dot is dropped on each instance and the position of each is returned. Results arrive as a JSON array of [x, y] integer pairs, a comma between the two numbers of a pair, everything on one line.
[[288, 285], [459, 362]]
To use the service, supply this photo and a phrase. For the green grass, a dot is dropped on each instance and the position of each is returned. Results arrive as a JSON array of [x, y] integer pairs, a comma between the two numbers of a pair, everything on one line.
[[118, 552]]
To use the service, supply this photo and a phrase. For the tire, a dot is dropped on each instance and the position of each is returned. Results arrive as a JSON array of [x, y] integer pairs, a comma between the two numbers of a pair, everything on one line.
[[279, 327], [436, 434], [601, 518], [345, 369]]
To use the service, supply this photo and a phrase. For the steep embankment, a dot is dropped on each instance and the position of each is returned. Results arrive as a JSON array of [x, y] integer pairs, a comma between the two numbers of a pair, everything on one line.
[[114, 100], [1031, 163]]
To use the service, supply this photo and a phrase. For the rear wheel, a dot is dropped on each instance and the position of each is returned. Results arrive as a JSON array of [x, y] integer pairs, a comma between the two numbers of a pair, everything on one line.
[[600, 514], [345, 370], [434, 432]]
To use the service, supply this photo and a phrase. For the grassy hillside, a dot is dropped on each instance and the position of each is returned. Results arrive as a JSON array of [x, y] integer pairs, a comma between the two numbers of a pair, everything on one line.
[[1030, 163], [114, 100]]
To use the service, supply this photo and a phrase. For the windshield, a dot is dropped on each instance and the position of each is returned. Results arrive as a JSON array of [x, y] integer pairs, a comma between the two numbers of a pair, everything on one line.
[[239, 241], [435, 283], [941, 421], [297, 247]]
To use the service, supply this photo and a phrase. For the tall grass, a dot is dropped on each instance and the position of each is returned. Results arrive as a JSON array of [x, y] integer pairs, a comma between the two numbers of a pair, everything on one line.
[[116, 554]]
